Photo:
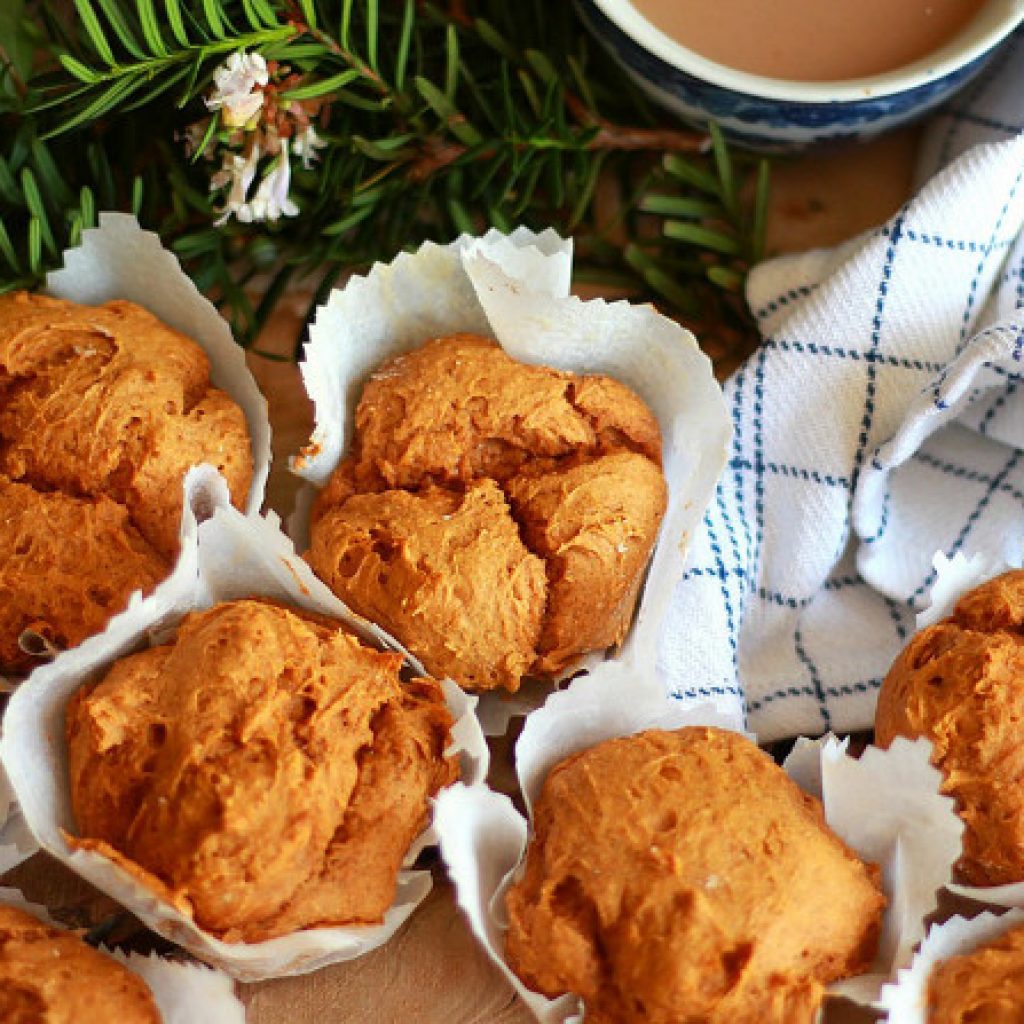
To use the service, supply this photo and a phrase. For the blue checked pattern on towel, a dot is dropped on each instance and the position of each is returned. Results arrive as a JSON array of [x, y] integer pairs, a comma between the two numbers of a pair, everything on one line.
[[880, 421]]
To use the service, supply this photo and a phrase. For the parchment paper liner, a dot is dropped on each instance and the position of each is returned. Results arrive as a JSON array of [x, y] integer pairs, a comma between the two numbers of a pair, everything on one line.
[[905, 1001], [232, 556], [483, 837], [184, 993], [515, 288]]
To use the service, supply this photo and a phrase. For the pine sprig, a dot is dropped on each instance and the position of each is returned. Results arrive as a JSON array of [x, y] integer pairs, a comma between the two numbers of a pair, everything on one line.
[[437, 119]]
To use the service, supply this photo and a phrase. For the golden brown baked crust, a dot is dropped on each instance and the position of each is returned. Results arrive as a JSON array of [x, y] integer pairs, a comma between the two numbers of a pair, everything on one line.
[[524, 472], [265, 771], [49, 976], [959, 684], [108, 403], [66, 566], [412, 559], [983, 987], [682, 876], [593, 521]]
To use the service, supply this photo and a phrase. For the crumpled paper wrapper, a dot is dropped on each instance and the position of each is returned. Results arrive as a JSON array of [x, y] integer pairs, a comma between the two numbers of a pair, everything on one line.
[[184, 993], [886, 805], [867, 802], [232, 556], [515, 288], [905, 1002]]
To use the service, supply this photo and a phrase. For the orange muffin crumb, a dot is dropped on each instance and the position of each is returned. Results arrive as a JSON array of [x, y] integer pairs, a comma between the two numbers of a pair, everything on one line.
[[264, 772], [983, 987], [49, 975], [497, 517], [682, 876]]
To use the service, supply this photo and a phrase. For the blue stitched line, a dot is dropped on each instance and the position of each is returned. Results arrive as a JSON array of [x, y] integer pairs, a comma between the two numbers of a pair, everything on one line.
[[846, 353], [733, 626], [883, 523], [708, 691], [993, 410], [759, 452], [999, 371], [789, 691], [737, 435], [896, 614], [845, 690], [973, 291], [723, 576], [796, 472], [788, 296], [876, 341], [963, 473], [993, 487], [801, 653], [958, 244]]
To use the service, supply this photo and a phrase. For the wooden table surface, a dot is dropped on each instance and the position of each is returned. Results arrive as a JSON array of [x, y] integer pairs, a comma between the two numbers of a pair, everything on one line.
[[433, 972]]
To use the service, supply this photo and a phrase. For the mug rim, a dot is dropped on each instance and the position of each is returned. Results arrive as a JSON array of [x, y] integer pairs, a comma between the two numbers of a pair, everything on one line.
[[996, 20]]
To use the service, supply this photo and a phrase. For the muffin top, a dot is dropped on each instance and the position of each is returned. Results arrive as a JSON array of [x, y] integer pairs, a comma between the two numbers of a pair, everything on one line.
[[683, 876], [458, 408], [107, 400], [959, 683], [983, 987], [265, 771], [48, 976], [102, 412], [496, 517]]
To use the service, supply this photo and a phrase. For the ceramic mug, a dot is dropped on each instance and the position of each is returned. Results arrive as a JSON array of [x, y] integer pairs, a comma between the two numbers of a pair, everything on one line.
[[782, 115]]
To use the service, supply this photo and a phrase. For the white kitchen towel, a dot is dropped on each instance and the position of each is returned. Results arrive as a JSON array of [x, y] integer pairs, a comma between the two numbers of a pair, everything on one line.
[[881, 420]]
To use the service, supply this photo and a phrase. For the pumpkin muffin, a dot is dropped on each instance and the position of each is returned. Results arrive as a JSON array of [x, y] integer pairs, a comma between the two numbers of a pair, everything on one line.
[[47, 974], [518, 506], [102, 412], [682, 876], [983, 987], [264, 772], [960, 683]]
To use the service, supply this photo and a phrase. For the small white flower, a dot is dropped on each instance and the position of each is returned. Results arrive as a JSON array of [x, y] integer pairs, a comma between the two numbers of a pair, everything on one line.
[[235, 91], [305, 145], [239, 172], [271, 200]]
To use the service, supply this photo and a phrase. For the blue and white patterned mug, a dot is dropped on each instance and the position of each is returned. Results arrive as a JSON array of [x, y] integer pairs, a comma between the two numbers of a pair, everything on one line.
[[780, 115]]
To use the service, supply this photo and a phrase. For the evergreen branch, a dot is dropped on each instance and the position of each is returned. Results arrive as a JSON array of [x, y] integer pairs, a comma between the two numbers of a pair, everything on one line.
[[436, 120]]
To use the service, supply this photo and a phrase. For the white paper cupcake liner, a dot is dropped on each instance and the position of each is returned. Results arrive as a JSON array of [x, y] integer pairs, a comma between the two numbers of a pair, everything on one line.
[[515, 289], [886, 806], [183, 993], [232, 556], [905, 1001], [867, 802]]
